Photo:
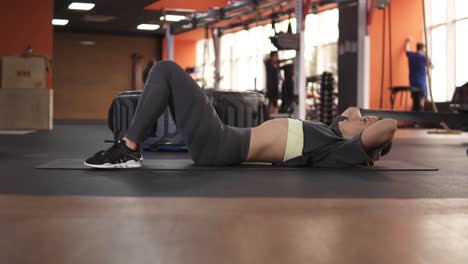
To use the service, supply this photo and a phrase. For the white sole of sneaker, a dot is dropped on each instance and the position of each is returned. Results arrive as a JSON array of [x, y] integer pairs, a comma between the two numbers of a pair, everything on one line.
[[131, 164]]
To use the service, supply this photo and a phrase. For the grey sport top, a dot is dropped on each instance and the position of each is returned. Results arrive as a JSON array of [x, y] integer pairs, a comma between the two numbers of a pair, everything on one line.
[[324, 146]]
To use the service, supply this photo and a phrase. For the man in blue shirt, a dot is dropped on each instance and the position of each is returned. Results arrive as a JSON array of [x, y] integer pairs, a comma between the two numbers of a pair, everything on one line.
[[418, 63]]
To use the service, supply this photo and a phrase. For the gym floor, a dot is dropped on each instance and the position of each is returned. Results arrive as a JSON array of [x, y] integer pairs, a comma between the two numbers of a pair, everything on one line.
[[229, 215]]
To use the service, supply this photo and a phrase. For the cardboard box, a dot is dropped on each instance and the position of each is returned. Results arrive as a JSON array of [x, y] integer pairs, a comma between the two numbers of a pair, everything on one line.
[[28, 108], [23, 72]]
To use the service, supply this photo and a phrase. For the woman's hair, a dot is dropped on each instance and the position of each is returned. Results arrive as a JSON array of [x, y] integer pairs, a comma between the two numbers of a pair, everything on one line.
[[386, 149]]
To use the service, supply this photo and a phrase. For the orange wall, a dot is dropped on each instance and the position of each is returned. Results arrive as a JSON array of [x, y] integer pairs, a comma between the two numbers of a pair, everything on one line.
[[24, 22], [185, 47], [407, 20]]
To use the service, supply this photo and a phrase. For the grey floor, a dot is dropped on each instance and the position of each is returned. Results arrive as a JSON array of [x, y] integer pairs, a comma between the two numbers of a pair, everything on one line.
[[20, 154], [230, 216]]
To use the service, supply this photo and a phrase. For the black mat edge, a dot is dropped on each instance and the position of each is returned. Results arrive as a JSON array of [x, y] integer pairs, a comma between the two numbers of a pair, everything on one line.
[[246, 166]]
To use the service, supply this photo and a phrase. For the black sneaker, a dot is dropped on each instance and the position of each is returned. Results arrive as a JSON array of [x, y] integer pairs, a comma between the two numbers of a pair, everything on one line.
[[119, 156]]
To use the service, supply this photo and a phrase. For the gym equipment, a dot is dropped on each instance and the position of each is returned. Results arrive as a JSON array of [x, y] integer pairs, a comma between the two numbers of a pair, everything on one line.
[[456, 121], [121, 112], [240, 109], [188, 165], [459, 102], [386, 8], [327, 107], [395, 90], [382, 59], [285, 40], [166, 136], [314, 90]]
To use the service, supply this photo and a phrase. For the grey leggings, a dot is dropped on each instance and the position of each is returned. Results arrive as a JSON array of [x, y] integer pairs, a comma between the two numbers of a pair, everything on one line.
[[209, 141]]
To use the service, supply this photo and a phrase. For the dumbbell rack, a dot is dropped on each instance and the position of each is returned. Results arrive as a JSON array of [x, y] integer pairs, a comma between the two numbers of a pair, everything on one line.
[[327, 107]]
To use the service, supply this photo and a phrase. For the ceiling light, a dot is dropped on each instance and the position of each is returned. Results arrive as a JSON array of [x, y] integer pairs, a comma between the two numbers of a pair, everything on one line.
[[175, 18], [181, 10], [81, 6], [97, 18], [88, 43], [59, 22], [148, 27]]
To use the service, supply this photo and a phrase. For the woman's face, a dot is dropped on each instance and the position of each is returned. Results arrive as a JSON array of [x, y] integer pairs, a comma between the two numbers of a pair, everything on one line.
[[355, 125]]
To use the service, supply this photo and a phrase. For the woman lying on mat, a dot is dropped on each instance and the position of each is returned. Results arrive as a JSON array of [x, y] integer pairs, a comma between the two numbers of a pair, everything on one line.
[[350, 140]]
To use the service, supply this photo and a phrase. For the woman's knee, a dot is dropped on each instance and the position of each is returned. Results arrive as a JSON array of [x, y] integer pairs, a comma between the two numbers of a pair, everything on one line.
[[161, 68], [166, 65]]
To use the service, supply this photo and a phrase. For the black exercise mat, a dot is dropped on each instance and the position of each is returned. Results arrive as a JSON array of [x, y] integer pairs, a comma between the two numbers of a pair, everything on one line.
[[188, 165]]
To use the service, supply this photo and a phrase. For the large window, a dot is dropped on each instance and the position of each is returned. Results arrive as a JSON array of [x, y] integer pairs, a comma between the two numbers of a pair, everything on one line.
[[461, 65], [321, 38], [243, 52], [447, 24], [439, 59], [205, 61]]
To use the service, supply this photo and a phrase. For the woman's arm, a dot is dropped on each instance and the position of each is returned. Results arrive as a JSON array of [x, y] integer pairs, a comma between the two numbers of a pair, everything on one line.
[[379, 134], [352, 112]]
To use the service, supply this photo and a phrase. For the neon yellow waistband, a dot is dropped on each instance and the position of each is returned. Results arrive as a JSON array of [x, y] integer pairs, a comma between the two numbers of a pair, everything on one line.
[[295, 141]]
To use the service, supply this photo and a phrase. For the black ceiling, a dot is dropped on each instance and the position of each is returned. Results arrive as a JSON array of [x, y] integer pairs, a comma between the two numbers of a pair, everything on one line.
[[127, 15]]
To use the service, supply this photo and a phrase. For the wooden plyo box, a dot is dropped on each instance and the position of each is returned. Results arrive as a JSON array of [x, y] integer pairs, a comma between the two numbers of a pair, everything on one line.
[[23, 72], [26, 108]]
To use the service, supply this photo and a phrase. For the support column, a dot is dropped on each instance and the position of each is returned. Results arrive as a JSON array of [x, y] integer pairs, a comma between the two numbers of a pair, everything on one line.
[[217, 50], [363, 80], [170, 43], [299, 82], [353, 57]]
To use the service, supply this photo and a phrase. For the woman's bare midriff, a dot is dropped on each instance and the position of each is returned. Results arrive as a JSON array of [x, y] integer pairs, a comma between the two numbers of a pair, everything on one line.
[[268, 141]]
